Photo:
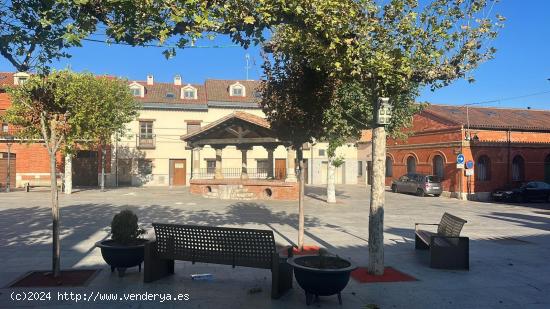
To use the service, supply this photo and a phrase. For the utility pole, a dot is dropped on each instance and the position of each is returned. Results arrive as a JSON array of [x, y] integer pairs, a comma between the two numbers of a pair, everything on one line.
[[247, 67], [378, 188]]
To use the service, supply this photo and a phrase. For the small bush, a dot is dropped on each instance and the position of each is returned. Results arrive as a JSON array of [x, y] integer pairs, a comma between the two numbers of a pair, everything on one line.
[[124, 228]]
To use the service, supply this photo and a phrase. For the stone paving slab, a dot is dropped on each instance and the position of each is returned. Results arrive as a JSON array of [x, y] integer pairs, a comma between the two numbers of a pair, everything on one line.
[[509, 248]]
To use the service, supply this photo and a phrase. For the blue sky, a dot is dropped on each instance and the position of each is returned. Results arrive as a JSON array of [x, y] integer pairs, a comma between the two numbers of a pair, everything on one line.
[[521, 66]]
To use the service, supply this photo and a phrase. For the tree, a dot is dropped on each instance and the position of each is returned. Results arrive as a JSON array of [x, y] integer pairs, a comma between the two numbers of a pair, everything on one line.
[[62, 110], [33, 33]]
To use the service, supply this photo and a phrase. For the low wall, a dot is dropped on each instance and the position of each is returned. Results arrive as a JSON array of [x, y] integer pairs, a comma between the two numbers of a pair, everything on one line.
[[245, 189]]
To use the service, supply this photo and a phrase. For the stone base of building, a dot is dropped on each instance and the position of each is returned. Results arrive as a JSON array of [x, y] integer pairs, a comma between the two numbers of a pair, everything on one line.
[[238, 189]]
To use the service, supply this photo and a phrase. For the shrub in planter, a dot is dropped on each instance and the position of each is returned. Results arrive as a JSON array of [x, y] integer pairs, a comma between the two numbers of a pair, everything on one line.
[[125, 248]]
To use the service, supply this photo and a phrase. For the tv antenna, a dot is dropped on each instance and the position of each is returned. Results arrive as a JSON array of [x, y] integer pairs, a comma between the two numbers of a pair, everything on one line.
[[247, 67]]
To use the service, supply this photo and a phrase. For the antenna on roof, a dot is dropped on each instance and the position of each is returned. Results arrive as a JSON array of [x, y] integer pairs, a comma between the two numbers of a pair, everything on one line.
[[247, 67]]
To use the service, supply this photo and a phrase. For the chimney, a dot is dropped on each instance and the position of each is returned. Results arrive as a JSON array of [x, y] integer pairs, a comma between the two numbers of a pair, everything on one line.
[[177, 80], [150, 79]]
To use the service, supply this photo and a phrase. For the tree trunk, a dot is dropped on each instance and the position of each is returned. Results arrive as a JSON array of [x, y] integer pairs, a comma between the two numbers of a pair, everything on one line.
[[300, 157], [331, 187], [56, 245], [68, 173], [376, 216], [103, 155]]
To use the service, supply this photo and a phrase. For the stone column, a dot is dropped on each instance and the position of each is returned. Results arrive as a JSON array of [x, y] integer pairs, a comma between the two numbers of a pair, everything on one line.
[[196, 162], [219, 173], [270, 151], [290, 165], [244, 158]]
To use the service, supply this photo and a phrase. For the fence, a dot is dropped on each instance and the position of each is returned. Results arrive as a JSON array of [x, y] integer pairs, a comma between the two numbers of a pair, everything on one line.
[[253, 173]]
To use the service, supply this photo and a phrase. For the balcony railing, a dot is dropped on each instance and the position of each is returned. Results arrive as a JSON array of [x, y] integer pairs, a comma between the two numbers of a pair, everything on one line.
[[253, 173], [146, 142]]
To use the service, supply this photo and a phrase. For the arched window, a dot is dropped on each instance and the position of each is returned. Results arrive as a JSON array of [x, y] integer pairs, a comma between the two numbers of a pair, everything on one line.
[[547, 169], [438, 166], [483, 168], [518, 168], [389, 167], [411, 164]]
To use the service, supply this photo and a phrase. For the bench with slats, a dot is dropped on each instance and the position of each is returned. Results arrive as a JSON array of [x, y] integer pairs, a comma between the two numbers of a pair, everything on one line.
[[216, 245], [447, 248]]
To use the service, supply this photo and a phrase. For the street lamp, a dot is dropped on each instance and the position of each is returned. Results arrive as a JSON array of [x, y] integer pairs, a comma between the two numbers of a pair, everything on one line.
[[383, 116], [9, 142]]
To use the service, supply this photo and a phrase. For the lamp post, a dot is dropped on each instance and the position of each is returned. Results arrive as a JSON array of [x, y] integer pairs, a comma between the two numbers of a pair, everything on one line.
[[9, 142]]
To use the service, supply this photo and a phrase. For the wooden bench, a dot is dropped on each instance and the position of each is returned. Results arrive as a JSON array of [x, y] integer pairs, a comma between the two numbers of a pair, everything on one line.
[[217, 245], [448, 249], [34, 183]]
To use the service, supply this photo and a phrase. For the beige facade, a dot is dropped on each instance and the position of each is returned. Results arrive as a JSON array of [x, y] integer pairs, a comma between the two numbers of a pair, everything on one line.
[[153, 163]]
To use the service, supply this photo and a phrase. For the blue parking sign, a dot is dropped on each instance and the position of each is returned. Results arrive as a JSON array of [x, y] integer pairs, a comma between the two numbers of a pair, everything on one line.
[[460, 159]]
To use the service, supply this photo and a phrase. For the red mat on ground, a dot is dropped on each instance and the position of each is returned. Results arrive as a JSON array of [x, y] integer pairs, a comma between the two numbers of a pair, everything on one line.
[[362, 275], [307, 250], [79, 277]]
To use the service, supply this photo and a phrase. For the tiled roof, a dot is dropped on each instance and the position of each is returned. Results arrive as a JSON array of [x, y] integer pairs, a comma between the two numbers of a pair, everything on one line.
[[156, 93], [241, 115], [6, 79], [366, 136], [493, 118], [218, 90]]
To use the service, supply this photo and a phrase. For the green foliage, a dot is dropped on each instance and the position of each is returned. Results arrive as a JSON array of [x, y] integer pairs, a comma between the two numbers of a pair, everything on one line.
[[338, 161], [66, 108], [33, 33], [124, 227]]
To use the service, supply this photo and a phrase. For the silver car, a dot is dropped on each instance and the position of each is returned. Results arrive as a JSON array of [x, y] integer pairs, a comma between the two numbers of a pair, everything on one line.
[[419, 184]]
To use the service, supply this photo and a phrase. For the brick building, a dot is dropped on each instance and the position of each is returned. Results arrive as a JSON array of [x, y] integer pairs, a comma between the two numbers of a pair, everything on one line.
[[508, 147]]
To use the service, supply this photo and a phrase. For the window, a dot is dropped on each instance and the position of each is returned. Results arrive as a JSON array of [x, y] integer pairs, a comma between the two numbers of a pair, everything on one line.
[[237, 90], [22, 80], [518, 168], [389, 167], [438, 166], [321, 152], [210, 166], [483, 168], [189, 93], [170, 95], [136, 92], [5, 128], [359, 168], [411, 164], [193, 127], [262, 166], [146, 129]]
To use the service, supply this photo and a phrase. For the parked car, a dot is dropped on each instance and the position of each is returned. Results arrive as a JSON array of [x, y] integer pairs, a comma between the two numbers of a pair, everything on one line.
[[531, 191], [419, 184]]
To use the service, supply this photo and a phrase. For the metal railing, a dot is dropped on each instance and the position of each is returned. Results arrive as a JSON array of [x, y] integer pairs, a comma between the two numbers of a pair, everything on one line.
[[253, 173], [146, 142]]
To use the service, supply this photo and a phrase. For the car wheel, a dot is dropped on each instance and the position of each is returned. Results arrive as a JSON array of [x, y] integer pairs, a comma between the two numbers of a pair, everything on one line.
[[519, 199], [437, 195], [394, 188], [420, 192]]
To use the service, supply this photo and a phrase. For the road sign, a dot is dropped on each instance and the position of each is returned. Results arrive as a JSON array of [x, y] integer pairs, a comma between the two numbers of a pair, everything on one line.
[[470, 164], [460, 159], [469, 172], [460, 165]]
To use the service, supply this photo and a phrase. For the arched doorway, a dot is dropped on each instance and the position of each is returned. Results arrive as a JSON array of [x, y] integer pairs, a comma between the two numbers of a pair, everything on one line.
[[411, 164], [389, 167], [547, 169], [438, 166]]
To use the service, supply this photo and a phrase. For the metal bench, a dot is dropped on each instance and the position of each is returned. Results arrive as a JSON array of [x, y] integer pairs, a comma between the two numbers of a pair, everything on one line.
[[448, 249], [217, 245]]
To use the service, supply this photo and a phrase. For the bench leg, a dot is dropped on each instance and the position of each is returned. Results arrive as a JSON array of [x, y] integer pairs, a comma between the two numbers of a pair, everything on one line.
[[454, 257], [281, 277], [155, 268], [419, 244]]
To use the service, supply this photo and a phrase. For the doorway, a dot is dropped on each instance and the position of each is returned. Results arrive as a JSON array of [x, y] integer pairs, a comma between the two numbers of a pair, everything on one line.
[[85, 169], [280, 169], [177, 172], [124, 168], [306, 173]]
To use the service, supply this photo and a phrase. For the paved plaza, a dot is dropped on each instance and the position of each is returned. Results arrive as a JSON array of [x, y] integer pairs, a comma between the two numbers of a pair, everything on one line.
[[509, 248]]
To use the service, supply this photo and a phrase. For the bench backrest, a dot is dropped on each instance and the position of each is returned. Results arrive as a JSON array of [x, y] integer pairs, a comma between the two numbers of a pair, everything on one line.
[[450, 225], [219, 245]]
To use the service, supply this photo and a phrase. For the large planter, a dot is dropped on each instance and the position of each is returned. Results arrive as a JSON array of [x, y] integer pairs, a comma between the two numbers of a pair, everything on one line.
[[321, 279], [120, 257]]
